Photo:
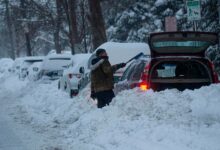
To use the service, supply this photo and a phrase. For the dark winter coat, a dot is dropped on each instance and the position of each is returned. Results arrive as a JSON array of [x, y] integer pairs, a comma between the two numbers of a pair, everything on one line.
[[102, 75]]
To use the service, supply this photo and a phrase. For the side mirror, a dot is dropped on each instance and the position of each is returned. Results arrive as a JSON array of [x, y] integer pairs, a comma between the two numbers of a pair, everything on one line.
[[81, 70]]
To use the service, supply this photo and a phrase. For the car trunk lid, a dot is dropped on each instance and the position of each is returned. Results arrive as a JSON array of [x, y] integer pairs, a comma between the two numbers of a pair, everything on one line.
[[181, 43]]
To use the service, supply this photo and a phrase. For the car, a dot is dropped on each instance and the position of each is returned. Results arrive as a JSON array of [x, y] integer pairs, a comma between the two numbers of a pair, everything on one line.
[[21, 64], [53, 65], [34, 71], [177, 60], [76, 76], [26, 63], [121, 52]]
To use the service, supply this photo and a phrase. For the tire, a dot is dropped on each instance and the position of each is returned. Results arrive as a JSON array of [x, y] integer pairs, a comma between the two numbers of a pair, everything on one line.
[[65, 86], [73, 93], [59, 85]]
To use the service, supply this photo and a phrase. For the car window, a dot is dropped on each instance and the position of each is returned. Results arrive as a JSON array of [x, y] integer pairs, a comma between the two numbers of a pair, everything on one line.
[[179, 70], [136, 73], [128, 72]]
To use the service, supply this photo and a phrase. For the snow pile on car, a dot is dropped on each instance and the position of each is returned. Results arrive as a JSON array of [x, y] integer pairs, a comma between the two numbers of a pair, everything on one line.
[[188, 120], [5, 65]]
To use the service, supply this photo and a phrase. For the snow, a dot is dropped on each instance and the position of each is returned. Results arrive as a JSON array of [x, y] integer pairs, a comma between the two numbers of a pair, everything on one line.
[[170, 119], [5, 65], [160, 2], [56, 61], [80, 60]]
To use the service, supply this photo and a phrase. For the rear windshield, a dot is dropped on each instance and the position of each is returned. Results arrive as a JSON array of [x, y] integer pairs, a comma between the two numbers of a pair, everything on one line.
[[185, 70], [59, 59], [181, 46]]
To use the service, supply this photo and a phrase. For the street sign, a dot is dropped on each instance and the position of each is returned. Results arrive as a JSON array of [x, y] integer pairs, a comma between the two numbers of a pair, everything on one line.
[[193, 10], [170, 24]]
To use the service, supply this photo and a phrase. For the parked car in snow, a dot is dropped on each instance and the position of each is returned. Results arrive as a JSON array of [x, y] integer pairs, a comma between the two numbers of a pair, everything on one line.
[[27, 62], [121, 52], [54, 64], [76, 76], [177, 61], [20, 66], [34, 71], [5, 64]]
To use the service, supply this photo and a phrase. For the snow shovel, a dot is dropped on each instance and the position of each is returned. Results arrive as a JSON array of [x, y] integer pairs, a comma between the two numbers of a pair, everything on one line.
[[135, 57]]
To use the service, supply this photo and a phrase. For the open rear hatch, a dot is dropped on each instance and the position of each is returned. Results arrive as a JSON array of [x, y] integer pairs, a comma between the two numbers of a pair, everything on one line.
[[180, 73], [181, 43]]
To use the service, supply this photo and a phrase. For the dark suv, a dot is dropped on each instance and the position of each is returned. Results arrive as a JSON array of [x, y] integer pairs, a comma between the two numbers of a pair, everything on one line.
[[177, 61]]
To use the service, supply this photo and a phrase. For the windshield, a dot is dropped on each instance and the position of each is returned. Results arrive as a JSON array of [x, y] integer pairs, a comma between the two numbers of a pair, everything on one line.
[[180, 44]]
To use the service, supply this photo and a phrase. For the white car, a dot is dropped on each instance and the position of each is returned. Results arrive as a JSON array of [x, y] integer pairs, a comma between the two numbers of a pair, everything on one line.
[[76, 76], [27, 62], [54, 64], [21, 65], [34, 71]]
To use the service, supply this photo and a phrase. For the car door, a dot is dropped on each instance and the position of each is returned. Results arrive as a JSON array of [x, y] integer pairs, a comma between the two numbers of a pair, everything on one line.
[[123, 83], [137, 71], [185, 43]]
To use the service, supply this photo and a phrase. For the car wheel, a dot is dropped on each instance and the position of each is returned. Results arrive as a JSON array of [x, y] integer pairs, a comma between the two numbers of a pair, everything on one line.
[[65, 86], [59, 85], [73, 93]]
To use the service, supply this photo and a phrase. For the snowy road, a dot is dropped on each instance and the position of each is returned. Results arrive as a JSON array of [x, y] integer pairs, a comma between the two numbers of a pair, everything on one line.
[[13, 134], [170, 119], [8, 139]]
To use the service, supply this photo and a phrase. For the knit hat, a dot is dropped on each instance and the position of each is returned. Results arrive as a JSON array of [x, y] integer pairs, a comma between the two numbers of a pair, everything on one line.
[[99, 51]]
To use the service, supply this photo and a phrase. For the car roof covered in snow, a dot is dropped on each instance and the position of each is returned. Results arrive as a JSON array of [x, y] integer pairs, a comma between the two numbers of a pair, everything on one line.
[[122, 52], [56, 61]]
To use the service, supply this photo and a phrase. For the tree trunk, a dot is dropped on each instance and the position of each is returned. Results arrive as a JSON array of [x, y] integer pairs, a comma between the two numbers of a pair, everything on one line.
[[82, 8], [74, 39], [57, 27], [69, 7], [97, 23], [10, 30], [26, 28]]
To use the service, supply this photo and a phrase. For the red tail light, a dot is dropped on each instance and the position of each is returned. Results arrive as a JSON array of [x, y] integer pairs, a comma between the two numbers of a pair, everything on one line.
[[215, 75], [77, 75], [143, 86], [70, 76], [145, 74]]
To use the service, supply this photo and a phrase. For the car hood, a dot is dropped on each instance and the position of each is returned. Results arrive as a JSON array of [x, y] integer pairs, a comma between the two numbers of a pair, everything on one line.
[[181, 43]]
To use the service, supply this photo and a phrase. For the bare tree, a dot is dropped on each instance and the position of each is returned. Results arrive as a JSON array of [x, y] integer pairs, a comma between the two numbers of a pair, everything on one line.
[[97, 23], [70, 10], [10, 29], [58, 22], [26, 27], [82, 8]]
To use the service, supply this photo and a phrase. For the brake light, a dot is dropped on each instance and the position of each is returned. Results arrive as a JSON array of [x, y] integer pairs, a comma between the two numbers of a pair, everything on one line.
[[70, 76], [143, 86], [145, 74], [215, 75], [77, 75]]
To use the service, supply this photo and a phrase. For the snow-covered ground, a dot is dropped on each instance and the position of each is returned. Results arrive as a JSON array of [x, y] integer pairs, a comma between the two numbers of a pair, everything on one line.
[[135, 120]]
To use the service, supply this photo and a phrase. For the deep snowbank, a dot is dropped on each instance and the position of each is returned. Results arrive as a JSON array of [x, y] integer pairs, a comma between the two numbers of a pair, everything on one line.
[[188, 120]]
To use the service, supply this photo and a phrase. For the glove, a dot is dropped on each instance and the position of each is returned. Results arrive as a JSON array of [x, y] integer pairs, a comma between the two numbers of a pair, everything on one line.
[[92, 95], [121, 65]]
